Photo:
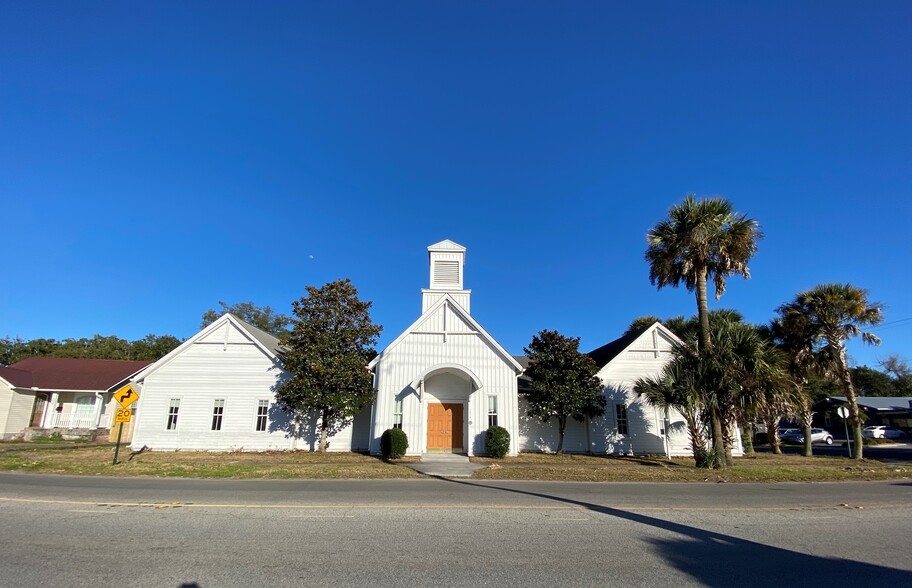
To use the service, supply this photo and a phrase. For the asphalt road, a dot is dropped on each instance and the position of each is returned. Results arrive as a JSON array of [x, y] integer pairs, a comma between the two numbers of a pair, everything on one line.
[[71, 531], [898, 452]]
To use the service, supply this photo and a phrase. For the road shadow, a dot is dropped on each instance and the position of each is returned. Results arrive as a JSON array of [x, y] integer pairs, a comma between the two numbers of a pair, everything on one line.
[[716, 559]]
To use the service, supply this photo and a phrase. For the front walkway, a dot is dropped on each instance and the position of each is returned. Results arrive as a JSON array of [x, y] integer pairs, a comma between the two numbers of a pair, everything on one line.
[[445, 465]]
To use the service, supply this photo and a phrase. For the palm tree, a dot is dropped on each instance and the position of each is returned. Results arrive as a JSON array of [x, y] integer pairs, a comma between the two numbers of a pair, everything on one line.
[[828, 316], [701, 240], [675, 389], [796, 342]]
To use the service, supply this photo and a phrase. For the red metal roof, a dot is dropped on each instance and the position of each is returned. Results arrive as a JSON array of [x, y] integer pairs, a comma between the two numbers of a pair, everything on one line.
[[58, 373]]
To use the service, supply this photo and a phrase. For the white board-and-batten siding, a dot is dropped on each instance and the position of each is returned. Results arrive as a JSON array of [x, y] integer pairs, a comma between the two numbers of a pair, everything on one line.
[[443, 339], [222, 364], [645, 356]]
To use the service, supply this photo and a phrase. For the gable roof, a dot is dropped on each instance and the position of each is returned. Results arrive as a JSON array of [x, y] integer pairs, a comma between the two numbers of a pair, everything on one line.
[[609, 351], [268, 344], [16, 378], [606, 353], [446, 245], [460, 311], [268, 340], [62, 373]]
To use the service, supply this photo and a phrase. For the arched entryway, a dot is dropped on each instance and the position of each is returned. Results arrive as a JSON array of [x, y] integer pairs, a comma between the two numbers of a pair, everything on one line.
[[445, 393]]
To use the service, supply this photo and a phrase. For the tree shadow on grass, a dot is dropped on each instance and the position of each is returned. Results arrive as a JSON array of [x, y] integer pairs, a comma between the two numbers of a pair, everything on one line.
[[715, 559]]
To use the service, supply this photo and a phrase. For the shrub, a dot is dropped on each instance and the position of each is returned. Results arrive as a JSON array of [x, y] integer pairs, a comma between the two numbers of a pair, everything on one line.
[[497, 441], [393, 443]]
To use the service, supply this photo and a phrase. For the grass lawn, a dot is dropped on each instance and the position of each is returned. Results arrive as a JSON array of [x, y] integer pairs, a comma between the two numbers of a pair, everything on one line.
[[759, 468], [96, 460]]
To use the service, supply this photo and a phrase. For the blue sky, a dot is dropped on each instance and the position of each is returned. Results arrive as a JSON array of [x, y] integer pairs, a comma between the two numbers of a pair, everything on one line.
[[156, 158]]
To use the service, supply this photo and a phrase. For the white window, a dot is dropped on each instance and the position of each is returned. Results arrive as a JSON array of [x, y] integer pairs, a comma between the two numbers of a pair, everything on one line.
[[218, 410], [397, 414], [620, 411], [173, 409], [262, 415], [492, 411]]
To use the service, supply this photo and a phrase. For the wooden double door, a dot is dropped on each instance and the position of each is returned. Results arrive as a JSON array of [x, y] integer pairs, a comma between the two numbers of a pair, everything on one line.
[[444, 426]]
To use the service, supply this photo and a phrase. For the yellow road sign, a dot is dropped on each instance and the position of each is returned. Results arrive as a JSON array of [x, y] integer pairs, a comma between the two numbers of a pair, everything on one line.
[[123, 415], [126, 395]]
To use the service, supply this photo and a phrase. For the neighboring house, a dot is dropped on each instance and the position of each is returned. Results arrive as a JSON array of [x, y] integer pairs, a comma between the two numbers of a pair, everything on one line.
[[445, 380], [216, 391], [893, 411], [43, 395]]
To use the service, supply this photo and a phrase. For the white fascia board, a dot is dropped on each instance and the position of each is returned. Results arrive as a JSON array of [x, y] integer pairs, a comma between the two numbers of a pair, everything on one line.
[[462, 313], [225, 318], [656, 326], [407, 331], [659, 326], [446, 245]]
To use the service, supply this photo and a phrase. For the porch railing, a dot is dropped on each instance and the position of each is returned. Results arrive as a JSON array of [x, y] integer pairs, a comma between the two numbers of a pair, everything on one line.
[[72, 421]]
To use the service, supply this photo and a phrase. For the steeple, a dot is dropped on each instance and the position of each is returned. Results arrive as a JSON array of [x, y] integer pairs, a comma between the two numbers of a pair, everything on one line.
[[446, 260]]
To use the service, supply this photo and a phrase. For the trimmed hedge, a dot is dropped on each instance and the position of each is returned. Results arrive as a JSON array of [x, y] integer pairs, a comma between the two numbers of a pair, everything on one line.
[[393, 443], [497, 441]]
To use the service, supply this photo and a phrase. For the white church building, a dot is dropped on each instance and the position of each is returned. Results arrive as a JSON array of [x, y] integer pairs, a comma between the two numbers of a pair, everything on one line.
[[443, 381]]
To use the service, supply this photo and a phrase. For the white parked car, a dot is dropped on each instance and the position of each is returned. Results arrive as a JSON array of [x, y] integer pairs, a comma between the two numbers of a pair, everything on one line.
[[883, 432], [817, 436]]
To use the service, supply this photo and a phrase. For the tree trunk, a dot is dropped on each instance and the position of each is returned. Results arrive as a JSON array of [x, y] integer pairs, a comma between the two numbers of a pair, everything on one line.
[[561, 425], [297, 431], [718, 439], [703, 310], [323, 432], [772, 434], [697, 441], [728, 442], [854, 413], [806, 420], [747, 439]]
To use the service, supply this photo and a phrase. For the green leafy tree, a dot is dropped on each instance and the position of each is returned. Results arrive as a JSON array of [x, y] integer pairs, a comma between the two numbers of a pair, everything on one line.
[[327, 352], [150, 348], [676, 324], [870, 382], [826, 317], [563, 382], [898, 368], [261, 317]]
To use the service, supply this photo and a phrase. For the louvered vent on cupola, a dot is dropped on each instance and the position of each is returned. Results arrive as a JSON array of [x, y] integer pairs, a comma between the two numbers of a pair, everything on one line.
[[447, 259], [446, 273]]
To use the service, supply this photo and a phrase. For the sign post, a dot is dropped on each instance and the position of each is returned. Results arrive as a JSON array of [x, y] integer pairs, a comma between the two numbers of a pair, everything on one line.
[[125, 396], [843, 413]]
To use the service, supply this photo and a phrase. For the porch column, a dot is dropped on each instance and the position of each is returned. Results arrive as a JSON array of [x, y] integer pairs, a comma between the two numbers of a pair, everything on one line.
[[50, 415], [422, 419], [99, 406]]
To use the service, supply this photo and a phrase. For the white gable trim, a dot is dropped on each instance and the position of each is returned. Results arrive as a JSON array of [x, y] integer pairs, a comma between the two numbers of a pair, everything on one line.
[[455, 307], [657, 326], [446, 245], [222, 320]]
